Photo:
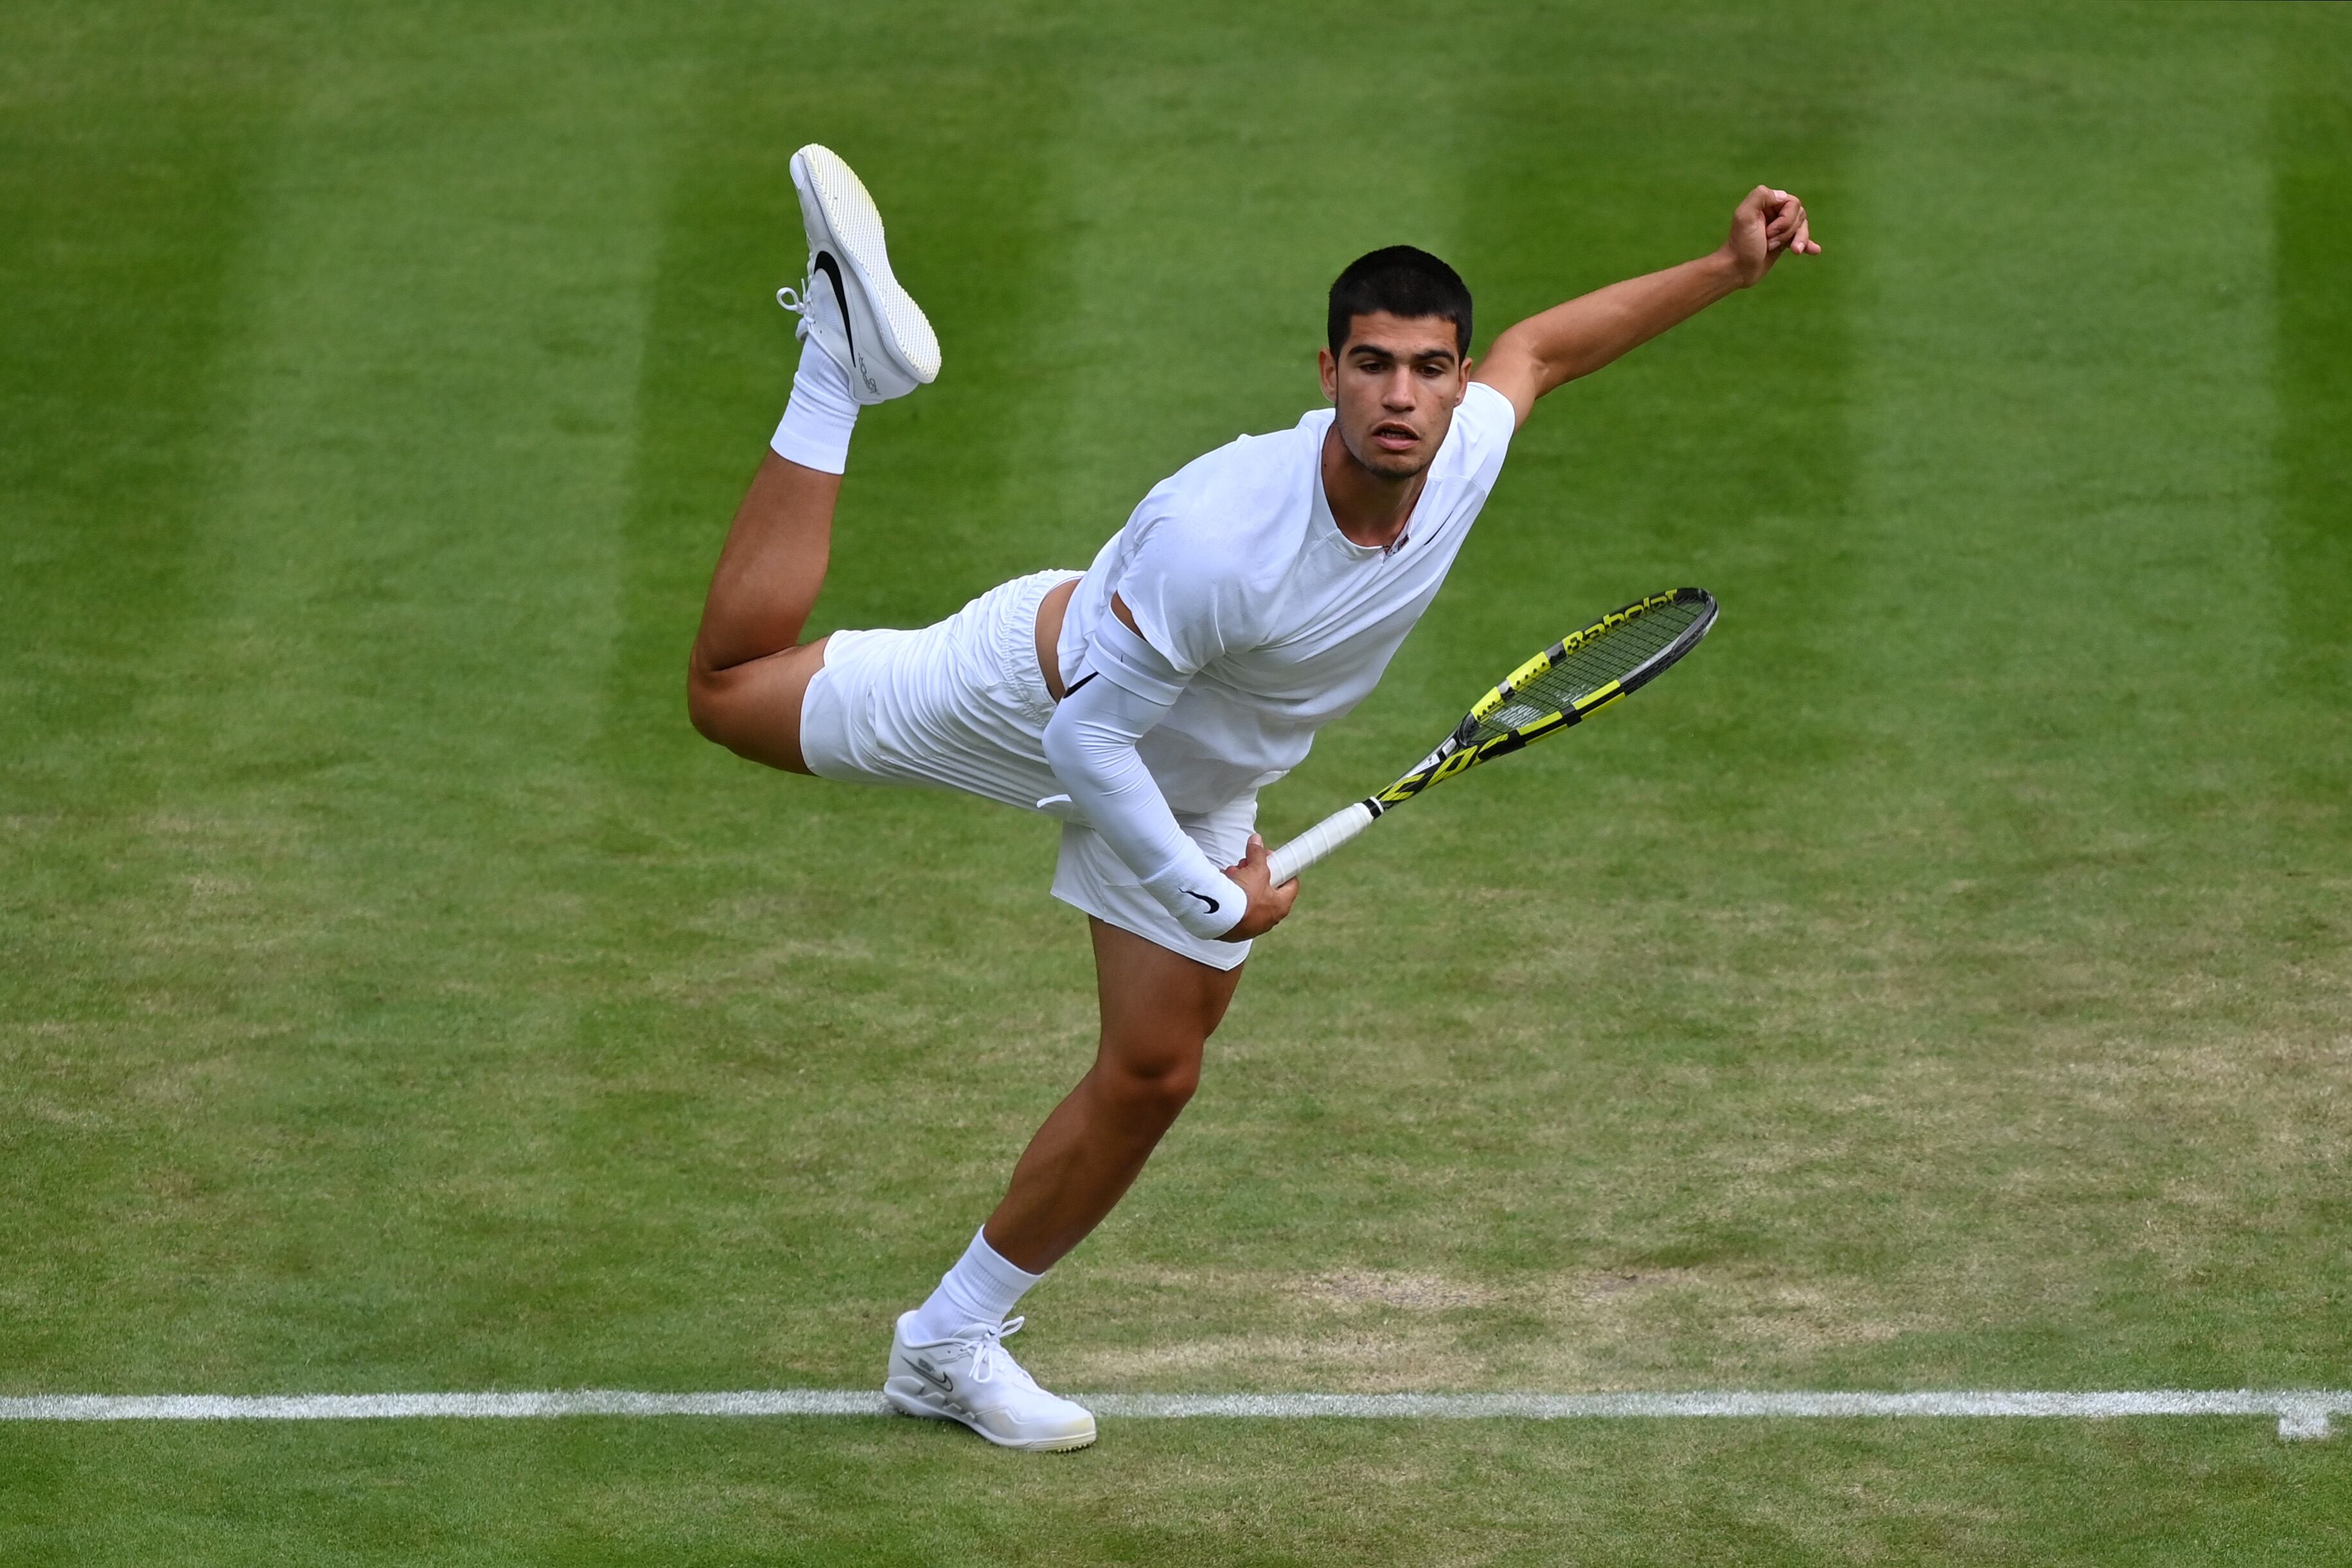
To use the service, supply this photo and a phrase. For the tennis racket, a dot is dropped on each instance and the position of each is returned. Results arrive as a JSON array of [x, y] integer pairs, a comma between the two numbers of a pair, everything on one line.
[[1558, 689]]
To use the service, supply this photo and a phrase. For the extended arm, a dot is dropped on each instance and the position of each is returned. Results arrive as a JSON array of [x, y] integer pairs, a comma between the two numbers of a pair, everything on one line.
[[1547, 352]]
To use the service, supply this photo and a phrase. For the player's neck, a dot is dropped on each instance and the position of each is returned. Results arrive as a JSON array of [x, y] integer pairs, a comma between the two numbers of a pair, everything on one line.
[[1370, 509]]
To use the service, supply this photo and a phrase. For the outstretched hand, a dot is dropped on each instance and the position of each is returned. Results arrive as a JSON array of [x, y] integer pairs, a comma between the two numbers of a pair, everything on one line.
[[1767, 225], [1268, 904]]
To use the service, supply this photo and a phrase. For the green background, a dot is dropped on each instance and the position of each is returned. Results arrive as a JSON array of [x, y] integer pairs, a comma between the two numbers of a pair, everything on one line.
[[1944, 979]]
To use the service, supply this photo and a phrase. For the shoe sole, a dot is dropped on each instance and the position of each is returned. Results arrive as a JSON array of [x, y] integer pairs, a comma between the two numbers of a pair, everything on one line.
[[855, 224], [924, 1407]]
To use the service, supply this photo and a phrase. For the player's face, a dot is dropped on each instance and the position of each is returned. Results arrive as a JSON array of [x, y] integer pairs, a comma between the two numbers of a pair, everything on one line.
[[1396, 385]]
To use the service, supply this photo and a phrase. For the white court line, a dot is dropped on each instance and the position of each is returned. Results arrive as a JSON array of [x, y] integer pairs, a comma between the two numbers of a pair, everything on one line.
[[2301, 1412]]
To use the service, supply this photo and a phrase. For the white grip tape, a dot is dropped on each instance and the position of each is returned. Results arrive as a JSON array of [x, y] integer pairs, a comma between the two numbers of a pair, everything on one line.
[[1316, 842]]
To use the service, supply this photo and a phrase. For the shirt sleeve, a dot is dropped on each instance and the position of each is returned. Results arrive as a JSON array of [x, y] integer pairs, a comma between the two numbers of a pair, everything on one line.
[[1487, 422], [1189, 601]]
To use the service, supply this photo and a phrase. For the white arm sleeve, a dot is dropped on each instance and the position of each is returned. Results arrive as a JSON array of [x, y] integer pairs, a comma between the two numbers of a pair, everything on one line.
[[1091, 744]]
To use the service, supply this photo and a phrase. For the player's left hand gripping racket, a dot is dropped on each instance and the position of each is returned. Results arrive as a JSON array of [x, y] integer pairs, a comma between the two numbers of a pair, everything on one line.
[[1565, 684]]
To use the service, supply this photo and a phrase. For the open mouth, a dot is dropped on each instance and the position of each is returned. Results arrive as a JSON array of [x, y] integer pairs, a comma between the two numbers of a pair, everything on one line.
[[1393, 437]]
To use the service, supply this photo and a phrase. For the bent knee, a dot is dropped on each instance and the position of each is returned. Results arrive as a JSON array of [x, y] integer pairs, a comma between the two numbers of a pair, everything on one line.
[[748, 714], [714, 717], [1158, 1094]]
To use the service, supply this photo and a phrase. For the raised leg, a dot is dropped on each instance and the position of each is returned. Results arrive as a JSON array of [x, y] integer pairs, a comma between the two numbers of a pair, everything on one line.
[[865, 341], [749, 670], [1159, 1009]]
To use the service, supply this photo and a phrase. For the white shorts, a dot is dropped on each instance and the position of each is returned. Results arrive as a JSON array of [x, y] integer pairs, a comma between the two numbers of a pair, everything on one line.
[[962, 705]]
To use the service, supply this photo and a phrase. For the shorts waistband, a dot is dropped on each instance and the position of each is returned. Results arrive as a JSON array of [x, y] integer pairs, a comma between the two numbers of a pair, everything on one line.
[[1014, 638]]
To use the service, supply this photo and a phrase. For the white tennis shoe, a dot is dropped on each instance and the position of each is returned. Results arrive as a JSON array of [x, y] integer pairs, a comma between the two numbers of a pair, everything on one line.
[[973, 1379], [849, 302]]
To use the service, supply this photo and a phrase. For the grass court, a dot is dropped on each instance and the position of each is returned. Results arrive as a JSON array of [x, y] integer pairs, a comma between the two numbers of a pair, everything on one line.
[[1943, 979]]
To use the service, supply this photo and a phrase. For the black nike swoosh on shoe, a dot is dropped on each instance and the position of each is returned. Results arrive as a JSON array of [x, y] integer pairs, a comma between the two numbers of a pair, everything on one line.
[[831, 270], [932, 1375], [1205, 898]]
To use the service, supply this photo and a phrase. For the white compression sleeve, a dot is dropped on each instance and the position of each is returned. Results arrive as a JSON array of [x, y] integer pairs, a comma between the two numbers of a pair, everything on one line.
[[1091, 744]]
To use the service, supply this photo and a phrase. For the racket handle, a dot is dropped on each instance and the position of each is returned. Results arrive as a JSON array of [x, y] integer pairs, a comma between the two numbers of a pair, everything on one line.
[[1286, 863]]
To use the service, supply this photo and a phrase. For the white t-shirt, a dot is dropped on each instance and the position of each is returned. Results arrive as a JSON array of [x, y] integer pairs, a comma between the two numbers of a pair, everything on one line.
[[1237, 575]]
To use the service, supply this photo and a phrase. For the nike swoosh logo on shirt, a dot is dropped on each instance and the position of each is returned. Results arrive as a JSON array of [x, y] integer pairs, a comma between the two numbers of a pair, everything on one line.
[[1205, 898], [831, 270]]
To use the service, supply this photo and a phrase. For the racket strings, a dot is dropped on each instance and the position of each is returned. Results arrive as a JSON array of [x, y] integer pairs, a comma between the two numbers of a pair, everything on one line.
[[1611, 656]]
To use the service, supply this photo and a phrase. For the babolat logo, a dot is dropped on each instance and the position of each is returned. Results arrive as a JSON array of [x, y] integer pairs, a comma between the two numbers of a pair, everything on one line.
[[1614, 619]]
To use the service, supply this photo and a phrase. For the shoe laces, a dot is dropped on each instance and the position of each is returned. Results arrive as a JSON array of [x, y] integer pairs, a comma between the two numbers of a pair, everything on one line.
[[800, 302], [990, 1357]]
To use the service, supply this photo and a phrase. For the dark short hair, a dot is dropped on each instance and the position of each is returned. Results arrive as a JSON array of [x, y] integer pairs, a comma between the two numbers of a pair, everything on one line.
[[1402, 281]]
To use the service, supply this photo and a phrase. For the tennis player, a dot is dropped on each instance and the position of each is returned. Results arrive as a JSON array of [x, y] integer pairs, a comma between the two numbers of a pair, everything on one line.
[[1254, 596]]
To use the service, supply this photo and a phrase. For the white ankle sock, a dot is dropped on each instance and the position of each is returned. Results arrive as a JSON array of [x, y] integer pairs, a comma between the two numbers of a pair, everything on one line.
[[981, 1289], [820, 416]]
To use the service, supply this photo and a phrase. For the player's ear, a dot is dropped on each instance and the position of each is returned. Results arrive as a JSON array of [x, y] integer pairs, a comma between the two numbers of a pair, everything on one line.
[[1331, 369], [1463, 390]]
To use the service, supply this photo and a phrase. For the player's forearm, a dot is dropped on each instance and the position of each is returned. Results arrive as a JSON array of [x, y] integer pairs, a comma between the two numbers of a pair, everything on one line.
[[1547, 352], [1090, 745]]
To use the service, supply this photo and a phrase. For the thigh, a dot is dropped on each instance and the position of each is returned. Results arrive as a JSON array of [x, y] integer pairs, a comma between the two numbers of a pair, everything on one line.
[[1159, 1007], [754, 710]]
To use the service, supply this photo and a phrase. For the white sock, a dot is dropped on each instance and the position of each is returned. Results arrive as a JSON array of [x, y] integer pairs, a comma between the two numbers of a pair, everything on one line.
[[820, 416], [980, 1290]]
